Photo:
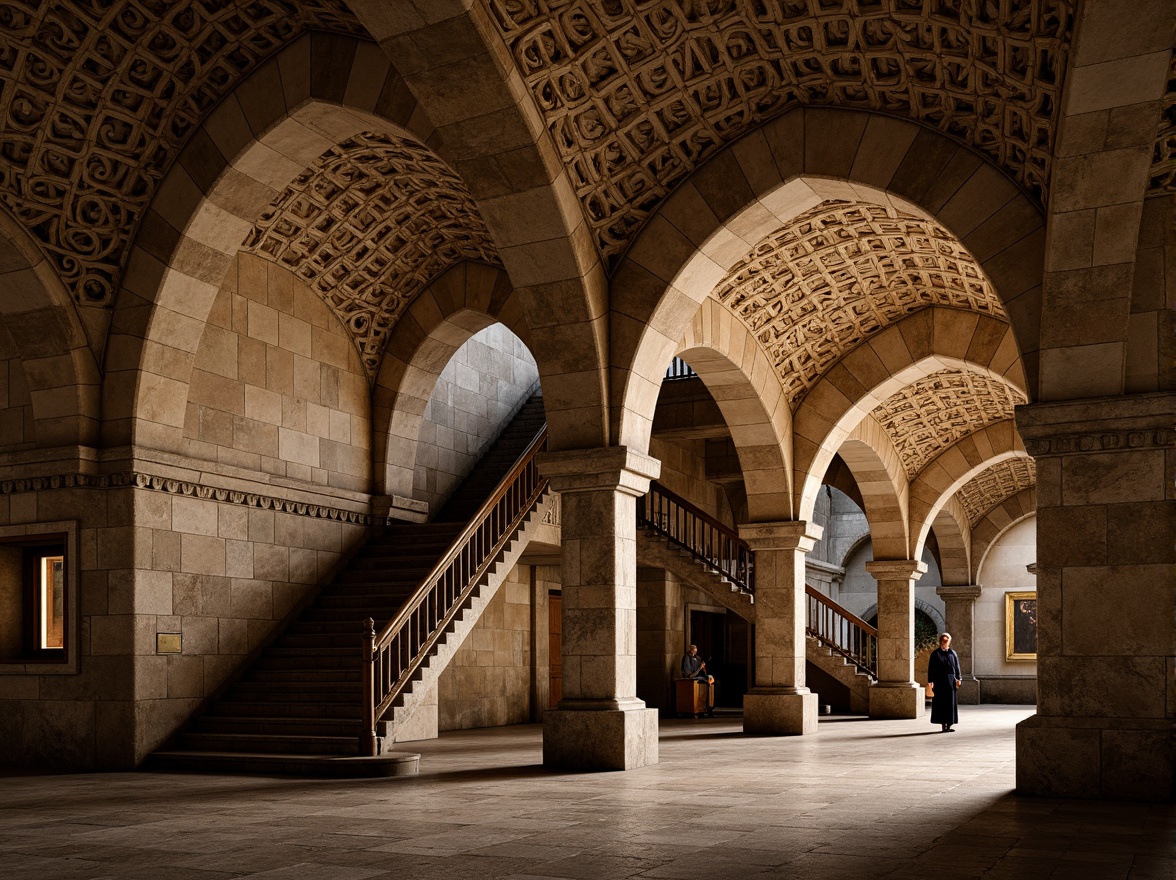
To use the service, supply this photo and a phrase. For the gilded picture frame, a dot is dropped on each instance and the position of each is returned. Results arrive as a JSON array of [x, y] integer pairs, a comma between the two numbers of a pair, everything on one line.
[[1021, 625]]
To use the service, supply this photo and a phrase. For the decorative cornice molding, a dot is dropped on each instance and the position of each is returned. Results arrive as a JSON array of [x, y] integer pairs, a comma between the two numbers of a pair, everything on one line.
[[155, 483], [1100, 441]]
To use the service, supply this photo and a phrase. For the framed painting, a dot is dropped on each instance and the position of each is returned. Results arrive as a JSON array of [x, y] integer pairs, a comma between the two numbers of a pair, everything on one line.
[[1021, 626]]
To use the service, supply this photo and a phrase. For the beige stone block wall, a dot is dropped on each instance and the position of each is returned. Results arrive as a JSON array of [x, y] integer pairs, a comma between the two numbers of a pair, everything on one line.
[[684, 473], [16, 403], [488, 683], [480, 389], [278, 387], [1003, 571]]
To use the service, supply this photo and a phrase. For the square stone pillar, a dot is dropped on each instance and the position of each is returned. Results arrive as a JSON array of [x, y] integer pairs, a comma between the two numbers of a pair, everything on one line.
[[778, 702], [1106, 637], [960, 605], [600, 724], [896, 694]]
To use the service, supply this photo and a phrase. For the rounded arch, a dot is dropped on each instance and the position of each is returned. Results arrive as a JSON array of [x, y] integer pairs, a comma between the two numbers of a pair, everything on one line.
[[877, 469], [938, 482], [485, 122], [996, 522], [920, 605], [952, 534], [465, 300], [903, 352], [740, 378], [242, 157], [59, 365], [773, 174]]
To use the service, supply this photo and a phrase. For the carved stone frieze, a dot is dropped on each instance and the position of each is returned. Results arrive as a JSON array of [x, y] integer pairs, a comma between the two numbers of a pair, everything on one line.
[[1163, 170], [98, 97], [172, 486], [369, 225], [1102, 441], [637, 93], [841, 272], [931, 414], [992, 486]]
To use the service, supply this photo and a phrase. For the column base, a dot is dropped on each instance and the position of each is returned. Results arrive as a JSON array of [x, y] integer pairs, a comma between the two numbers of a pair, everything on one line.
[[968, 693], [779, 714], [900, 700], [599, 739], [1111, 758]]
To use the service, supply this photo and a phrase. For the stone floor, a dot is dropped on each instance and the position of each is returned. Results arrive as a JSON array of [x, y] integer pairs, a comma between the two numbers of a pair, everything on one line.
[[860, 799]]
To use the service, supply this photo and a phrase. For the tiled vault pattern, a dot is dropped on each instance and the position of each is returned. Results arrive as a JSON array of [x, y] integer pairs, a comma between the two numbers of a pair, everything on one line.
[[841, 272], [992, 486], [637, 93]]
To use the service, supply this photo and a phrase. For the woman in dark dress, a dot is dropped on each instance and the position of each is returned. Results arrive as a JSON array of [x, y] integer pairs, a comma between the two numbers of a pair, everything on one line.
[[943, 674]]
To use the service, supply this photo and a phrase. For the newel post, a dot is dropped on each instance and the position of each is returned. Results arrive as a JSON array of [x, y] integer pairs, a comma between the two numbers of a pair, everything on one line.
[[368, 746]]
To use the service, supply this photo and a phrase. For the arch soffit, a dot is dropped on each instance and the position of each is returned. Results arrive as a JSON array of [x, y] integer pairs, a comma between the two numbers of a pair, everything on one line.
[[880, 477], [996, 522], [486, 127], [1116, 78], [54, 347], [465, 299], [738, 375], [953, 535], [244, 155], [938, 483], [790, 165], [928, 341]]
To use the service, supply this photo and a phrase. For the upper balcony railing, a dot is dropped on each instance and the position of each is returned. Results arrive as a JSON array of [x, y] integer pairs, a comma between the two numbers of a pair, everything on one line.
[[679, 369], [712, 543]]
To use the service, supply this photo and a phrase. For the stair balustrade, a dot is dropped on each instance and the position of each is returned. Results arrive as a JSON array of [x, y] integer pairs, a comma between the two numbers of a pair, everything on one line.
[[842, 632], [392, 656], [715, 545]]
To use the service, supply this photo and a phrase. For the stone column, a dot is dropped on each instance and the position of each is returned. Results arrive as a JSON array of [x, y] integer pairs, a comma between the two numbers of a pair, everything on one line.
[[778, 701], [960, 605], [600, 724], [896, 693], [1106, 530], [659, 636]]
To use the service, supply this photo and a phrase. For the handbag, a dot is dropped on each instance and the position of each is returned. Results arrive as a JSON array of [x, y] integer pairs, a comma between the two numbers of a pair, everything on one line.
[[931, 689]]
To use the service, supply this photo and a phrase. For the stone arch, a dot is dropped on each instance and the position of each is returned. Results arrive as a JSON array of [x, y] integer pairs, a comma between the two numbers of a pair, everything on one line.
[[789, 165], [996, 522], [1115, 82], [952, 534], [486, 126], [741, 380], [905, 351], [938, 482], [466, 299], [58, 362], [920, 605], [877, 468], [242, 157]]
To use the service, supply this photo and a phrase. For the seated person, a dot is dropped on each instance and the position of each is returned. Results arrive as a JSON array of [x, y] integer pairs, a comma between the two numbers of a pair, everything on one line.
[[694, 667]]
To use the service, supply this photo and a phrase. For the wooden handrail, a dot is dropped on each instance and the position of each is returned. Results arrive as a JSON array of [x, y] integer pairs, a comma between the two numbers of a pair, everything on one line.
[[843, 633], [709, 541], [391, 657]]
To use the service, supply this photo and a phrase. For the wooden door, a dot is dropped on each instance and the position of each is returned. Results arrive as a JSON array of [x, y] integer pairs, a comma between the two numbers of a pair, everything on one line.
[[555, 649]]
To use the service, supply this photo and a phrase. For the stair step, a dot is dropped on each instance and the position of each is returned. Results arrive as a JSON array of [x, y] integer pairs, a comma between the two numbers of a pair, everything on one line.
[[275, 709], [262, 726], [323, 766], [270, 744]]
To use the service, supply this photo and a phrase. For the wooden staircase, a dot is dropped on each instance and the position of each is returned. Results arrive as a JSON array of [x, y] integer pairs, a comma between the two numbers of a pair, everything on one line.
[[298, 709]]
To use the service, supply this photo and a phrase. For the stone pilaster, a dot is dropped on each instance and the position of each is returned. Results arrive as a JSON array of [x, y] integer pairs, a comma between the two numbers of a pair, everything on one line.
[[1106, 530], [778, 701], [600, 724], [960, 606], [896, 693]]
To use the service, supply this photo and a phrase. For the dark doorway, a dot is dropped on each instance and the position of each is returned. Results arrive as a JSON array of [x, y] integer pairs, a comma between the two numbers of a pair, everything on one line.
[[721, 638], [555, 649]]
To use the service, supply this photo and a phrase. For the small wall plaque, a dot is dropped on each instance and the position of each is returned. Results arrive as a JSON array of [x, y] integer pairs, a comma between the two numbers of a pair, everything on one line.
[[167, 643]]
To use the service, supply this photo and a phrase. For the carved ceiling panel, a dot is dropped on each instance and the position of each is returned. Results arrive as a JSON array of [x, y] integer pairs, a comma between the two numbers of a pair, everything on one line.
[[931, 414], [369, 225], [841, 272], [98, 97], [637, 93], [989, 488], [1163, 170]]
